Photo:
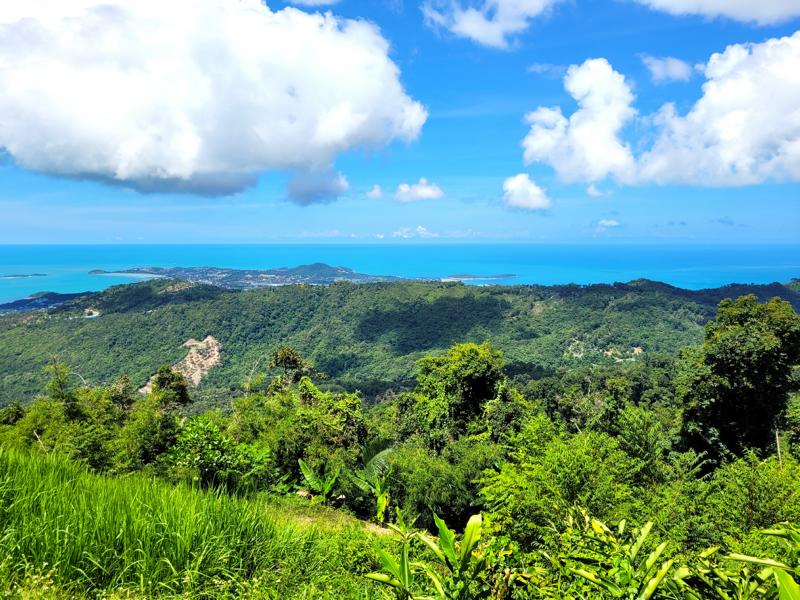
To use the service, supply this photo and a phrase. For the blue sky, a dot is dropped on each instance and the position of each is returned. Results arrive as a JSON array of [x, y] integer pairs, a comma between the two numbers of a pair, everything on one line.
[[631, 184]]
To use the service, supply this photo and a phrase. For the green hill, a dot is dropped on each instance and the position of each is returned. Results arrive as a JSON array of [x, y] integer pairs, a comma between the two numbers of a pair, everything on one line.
[[365, 336]]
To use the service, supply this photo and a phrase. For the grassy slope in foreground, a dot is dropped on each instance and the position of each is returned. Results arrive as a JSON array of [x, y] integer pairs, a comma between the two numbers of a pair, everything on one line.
[[95, 535], [366, 337]]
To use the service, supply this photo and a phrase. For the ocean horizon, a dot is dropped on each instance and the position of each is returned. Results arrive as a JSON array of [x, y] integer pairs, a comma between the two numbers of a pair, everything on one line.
[[65, 268]]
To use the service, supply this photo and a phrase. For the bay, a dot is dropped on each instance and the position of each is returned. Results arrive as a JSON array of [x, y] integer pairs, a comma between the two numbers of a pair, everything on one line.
[[687, 266]]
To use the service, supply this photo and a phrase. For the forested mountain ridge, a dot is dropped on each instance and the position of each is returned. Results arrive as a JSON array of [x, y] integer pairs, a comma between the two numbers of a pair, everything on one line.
[[365, 336]]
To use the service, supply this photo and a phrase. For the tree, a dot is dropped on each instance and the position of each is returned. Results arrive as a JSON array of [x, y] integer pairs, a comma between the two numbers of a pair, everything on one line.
[[321, 427], [11, 414], [734, 388], [468, 373], [150, 431], [121, 392], [643, 438], [793, 423], [549, 473], [59, 389], [294, 366], [171, 386], [213, 457], [453, 388]]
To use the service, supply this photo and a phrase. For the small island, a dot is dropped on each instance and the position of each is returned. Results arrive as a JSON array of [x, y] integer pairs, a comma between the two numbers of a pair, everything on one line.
[[23, 275], [138, 273]]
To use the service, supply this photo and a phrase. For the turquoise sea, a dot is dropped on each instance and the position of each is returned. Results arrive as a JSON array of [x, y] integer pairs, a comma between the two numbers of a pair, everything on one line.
[[693, 267]]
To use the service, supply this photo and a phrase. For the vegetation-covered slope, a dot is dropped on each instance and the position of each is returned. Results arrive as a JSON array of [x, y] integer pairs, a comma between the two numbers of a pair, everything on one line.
[[364, 337], [689, 460], [85, 532]]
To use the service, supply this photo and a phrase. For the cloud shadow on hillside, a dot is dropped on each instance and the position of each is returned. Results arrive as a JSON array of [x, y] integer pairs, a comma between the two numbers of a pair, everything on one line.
[[421, 325]]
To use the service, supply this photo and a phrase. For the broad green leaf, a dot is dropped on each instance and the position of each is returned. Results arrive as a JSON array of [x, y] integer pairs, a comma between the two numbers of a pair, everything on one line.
[[384, 579], [435, 579], [787, 586], [378, 464], [310, 476], [610, 586], [640, 540], [598, 527], [405, 566], [767, 562], [709, 551], [653, 584], [380, 504], [472, 535], [435, 548], [792, 535], [651, 560], [389, 563], [447, 540], [330, 481], [360, 482], [682, 572]]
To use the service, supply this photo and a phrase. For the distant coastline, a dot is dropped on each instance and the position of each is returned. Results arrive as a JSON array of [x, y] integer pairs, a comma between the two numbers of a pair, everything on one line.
[[314, 274], [241, 279], [23, 275], [471, 277]]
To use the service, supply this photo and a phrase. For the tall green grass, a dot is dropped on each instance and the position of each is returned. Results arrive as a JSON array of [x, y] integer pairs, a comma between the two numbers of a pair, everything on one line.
[[97, 534]]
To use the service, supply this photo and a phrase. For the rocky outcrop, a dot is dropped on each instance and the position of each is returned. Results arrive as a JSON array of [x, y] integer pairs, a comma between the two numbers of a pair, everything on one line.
[[201, 358]]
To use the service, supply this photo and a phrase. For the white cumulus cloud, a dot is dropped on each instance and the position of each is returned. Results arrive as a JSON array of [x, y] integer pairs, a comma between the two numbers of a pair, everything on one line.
[[586, 145], [424, 190], [520, 192], [667, 68], [375, 193], [487, 22], [763, 12], [192, 96], [417, 232], [424, 232], [744, 129]]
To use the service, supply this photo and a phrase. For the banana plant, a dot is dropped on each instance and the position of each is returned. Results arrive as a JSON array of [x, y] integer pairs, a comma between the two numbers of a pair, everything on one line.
[[613, 562], [704, 577], [321, 484], [709, 574], [374, 479], [398, 573], [782, 574], [460, 571], [461, 567]]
